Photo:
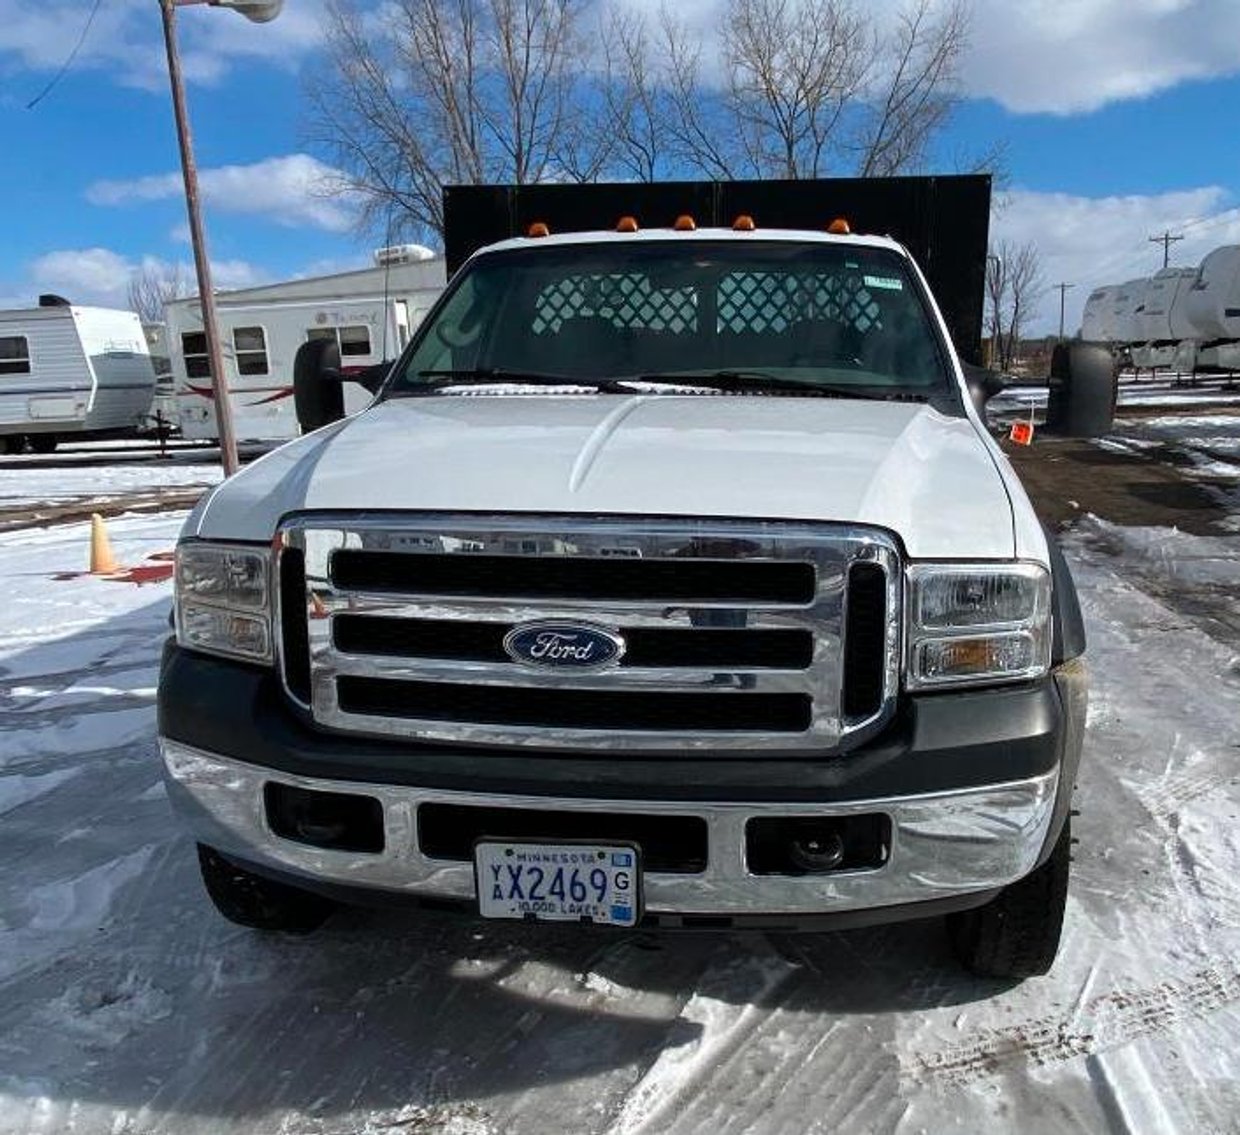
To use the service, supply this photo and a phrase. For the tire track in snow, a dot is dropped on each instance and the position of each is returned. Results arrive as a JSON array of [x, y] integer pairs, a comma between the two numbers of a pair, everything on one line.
[[729, 1005], [1107, 1021], [1165, 797]]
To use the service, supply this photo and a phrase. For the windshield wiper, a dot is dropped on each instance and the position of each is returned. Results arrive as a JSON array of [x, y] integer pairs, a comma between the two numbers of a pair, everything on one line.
[[491, 376], [746, 381]]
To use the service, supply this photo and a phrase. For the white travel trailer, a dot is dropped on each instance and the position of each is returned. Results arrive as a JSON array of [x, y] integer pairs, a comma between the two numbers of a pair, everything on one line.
[[370, 313], [71, 372], [1098, 318], [1213, 307], [1129, 298], [1160, 322]]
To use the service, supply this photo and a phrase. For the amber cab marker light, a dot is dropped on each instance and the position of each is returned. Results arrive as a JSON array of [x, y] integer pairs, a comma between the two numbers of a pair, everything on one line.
[[743, 224], [839, 227], [684, 224], [626, 225], [537, 229]]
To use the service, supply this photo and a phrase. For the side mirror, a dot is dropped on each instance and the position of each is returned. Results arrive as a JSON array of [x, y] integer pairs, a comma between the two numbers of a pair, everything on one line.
[[371, 378], [317, 388], [983, 385]]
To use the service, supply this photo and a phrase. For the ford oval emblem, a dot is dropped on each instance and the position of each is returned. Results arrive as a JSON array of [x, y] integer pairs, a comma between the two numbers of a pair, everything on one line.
[[563, 645]]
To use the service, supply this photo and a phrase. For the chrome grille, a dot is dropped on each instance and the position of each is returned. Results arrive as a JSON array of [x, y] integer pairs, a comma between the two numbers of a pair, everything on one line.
[[734, 630]]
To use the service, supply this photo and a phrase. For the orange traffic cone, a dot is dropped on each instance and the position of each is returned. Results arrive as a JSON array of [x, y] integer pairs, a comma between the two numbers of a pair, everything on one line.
[[102, 562]]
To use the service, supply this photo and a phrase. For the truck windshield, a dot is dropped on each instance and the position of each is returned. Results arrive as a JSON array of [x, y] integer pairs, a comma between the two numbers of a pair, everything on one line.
[[801, 315]]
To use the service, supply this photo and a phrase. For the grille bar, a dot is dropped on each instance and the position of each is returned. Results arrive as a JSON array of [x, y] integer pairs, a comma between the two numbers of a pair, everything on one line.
[[568, 708], [545, 576], [454, 639]]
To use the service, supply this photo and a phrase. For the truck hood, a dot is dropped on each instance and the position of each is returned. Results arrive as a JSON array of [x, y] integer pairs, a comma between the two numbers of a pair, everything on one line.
[[905, 467]]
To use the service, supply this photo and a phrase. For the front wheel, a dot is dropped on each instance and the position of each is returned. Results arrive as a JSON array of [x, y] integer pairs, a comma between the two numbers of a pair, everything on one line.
[[1016, 934], [261, 904]]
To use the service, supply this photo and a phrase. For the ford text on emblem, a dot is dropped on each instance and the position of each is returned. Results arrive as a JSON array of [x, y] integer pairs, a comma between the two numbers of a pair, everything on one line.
[[566, 645]]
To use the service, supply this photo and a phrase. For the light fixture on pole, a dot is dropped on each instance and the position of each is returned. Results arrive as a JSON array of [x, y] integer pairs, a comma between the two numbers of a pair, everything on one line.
[[260, 11]]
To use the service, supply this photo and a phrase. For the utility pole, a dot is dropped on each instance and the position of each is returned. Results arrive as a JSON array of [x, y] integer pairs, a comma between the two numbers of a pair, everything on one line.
[[1063, 291], [260, 11], [1166, 240]]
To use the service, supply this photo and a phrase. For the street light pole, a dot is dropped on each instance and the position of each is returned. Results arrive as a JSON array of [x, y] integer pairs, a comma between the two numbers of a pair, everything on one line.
[[206, 296], [260, 11]]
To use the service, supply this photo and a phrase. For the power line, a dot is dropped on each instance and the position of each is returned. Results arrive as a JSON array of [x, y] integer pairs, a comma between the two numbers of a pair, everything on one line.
[[1166, 240], [64, 70]]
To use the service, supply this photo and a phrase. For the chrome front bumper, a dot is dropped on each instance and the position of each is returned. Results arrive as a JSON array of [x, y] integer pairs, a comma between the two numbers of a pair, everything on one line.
[[944, 845]]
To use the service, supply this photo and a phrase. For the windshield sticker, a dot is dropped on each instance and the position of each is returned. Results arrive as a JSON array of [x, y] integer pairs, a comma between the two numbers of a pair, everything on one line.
[[888, 283]]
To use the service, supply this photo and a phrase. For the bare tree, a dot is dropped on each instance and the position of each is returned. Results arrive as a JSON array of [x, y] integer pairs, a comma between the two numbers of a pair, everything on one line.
[[634, 95], [915, 81], [417, 94], [1014, 284], [421, 93], [794, 68], [155, 284], [807, 87]]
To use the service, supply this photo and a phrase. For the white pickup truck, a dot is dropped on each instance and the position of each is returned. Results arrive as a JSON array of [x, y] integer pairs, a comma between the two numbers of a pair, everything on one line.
[[672, 579]]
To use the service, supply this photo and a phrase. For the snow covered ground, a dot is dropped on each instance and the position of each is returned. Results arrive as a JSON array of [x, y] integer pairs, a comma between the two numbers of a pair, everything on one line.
[[127, 1006], [1016, 399], [102, 471]]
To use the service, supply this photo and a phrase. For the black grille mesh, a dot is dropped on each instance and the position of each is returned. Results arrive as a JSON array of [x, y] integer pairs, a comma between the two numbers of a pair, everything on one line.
[[294, 637], [565, 708], [865, 640], [575, 577]]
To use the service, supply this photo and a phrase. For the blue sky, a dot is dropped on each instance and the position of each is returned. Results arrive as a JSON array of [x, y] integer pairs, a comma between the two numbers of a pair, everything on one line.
[[1117, 117]]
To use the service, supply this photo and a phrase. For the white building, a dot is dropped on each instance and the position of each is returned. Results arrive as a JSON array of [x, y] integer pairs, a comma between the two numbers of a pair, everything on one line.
[[371, 313]]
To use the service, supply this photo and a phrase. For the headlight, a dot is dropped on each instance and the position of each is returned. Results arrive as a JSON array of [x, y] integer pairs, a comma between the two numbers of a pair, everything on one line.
[[973, 624], [223, 600]]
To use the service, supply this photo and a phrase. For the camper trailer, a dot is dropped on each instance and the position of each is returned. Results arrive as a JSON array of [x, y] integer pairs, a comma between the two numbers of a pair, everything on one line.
[[1098, 318], [1160, 322], [71, 372], [370, 314], [1213, 306]]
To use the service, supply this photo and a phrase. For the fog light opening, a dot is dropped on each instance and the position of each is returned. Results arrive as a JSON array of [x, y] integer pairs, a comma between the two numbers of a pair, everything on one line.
[[337, 821], [817, 845], [818, 851]]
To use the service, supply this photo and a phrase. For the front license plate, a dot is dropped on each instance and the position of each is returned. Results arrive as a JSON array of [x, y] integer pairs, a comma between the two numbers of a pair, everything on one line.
[[558, 882]]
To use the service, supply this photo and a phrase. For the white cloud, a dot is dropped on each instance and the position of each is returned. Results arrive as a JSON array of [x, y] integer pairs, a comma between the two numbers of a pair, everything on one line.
[[126, 39], [1069, 56], [101, 276], [294, 190], [1091, 241], [1056, 56]]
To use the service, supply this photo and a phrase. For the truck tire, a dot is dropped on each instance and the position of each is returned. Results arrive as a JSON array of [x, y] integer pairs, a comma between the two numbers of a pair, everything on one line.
[[43, 443], [261, 904], [1016, 934]]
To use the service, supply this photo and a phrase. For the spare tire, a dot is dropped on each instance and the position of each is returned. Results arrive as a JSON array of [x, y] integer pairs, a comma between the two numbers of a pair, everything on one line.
[[317, 389], [1083, 390]]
